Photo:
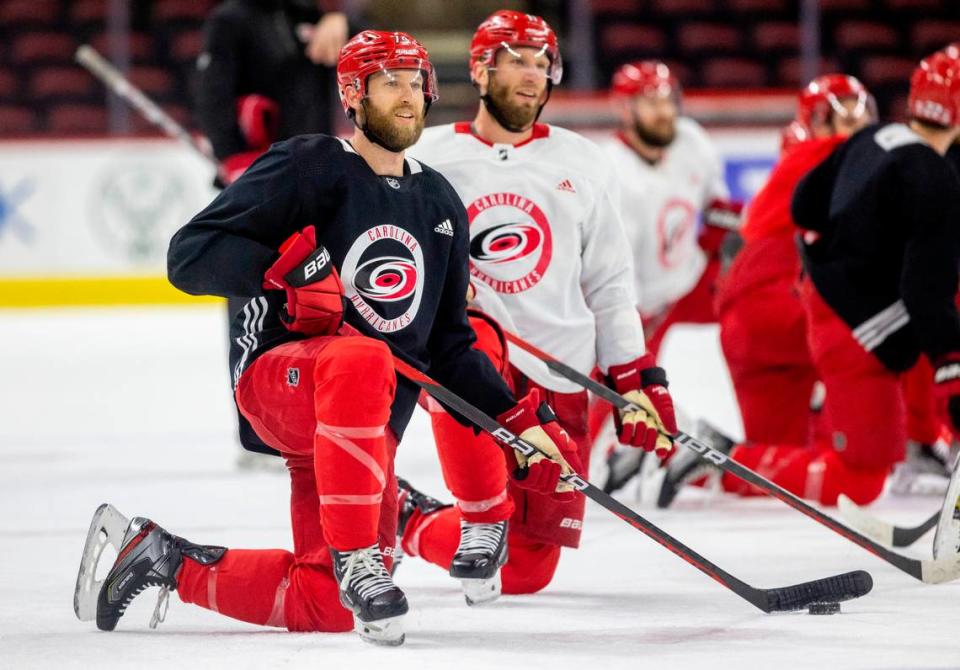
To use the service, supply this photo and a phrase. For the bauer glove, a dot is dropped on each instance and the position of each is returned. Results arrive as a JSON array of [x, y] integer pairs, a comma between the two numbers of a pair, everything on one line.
[[534, 422], [649, 425], [314, 292]]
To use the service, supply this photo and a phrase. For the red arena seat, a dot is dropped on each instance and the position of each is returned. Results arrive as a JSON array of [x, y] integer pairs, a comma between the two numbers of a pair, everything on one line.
[[859, 35], [17, 120], [61, 82], [880, 70], [45, 47], [776, 36], [621, 38], [699, 37], [77, 119], [733, 73]]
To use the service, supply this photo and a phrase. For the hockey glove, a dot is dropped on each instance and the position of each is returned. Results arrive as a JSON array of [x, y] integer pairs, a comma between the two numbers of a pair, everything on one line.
[[649, 425], [534, 422], [314, 292], [946, 390], [720, 217]]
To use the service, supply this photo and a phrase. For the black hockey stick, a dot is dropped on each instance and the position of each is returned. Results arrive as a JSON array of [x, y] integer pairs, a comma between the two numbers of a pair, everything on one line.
[[846, 586], [928, 571], [883, 532]]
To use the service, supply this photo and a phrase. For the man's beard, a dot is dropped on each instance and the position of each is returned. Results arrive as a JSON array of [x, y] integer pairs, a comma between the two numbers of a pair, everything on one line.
[[512, 116], [660, 135], [390, 134]]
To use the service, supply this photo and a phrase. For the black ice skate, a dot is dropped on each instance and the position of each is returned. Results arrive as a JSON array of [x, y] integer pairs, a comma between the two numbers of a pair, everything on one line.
[[623, 464], [685, 466], [482, 551], [367, 590], [147, 556]]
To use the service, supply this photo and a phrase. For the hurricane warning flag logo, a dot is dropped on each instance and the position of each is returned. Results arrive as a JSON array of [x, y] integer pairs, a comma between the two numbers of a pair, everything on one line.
[[510, 242], [383, 277]]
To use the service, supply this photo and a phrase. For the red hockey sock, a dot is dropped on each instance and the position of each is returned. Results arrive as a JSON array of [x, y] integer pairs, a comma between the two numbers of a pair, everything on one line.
[[824, 476], [433, 537], [530, 566], [245, 584], [267, 587]]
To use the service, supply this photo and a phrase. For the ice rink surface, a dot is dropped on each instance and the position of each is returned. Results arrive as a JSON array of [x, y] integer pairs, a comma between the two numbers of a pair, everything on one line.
[[132, 407]]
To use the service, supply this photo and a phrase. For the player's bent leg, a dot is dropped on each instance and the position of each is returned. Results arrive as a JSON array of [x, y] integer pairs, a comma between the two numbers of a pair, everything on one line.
[[531, 565]]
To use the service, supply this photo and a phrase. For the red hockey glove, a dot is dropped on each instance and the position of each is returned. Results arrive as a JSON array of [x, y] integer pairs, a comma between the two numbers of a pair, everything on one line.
[[314, 291], [237, 164], [719, 218], [535, 422], [645, 385], [259, 120], [946, 390]]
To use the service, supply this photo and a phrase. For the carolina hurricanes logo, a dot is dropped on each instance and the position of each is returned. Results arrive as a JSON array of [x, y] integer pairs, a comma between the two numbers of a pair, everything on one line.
[[510, 245], [383, 277], [675, 227], [386, 279], [505, 243]]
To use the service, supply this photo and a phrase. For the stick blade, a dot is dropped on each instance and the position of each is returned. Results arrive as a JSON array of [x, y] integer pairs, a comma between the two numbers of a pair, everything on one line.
[[848, 586]]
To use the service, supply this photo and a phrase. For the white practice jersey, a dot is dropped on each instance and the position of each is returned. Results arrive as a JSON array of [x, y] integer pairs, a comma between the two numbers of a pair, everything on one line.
[[548, 254], [661, 207]]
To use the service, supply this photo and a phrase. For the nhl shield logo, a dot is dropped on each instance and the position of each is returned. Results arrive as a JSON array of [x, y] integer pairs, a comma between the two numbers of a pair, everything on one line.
[[293, 377]]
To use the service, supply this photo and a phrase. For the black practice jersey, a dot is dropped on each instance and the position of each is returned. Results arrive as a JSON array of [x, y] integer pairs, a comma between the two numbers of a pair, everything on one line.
[[399, 243], [886, 207]]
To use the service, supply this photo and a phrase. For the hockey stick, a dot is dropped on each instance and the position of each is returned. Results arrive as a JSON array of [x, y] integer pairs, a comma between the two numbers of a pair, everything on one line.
[[846, 586], [931, 572], [103, 70], [883, 532]]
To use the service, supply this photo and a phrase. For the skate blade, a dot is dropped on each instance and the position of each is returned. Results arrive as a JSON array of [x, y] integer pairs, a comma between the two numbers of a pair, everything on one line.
[[479, 592], [384, 632], [108, 526]]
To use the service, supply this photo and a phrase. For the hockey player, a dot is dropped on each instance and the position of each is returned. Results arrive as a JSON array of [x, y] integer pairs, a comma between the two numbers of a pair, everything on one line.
[[549, 261], [380, 242], [671, 176], [676, 209], [762, 321], [881, 255]]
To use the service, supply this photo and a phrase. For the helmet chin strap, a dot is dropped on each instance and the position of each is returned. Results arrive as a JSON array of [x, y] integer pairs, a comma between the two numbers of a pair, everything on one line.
[[498, 115]]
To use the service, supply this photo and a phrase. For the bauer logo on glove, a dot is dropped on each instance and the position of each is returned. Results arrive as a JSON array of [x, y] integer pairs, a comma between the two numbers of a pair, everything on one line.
[[306, 272]]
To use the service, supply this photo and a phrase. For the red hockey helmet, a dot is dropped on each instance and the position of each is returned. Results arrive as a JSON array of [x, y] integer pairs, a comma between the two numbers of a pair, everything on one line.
[[375, 51], [506, 28], [646, 77], [935, 90], [822, 96]]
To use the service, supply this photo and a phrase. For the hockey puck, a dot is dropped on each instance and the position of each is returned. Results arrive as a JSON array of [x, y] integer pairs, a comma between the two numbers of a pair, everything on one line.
[[823, 608]]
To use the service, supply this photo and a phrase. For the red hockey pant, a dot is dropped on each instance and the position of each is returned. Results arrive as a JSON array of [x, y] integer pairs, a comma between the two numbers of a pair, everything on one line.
[[324, 404], [864, 405], [475, 470]]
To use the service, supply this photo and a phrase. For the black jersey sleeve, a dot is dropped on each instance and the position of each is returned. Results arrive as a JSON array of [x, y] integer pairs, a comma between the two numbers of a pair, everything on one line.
[[226, 248], [810, 206], [454, 362], [929, 197], [217, 82]]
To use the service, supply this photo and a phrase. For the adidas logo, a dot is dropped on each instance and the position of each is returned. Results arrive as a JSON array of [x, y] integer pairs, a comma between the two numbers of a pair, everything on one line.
[[565, 185], [445, 228]]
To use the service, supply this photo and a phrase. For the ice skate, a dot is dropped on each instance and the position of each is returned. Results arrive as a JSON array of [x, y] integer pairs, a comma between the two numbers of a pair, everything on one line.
[[147, 556], [623, 464], [367, 590], [482, 551], [686, 466], [925, 471]]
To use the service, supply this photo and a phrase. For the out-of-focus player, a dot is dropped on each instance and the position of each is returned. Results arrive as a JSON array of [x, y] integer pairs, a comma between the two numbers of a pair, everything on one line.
[[376, 241], [881, 253], [762, 322], [550, 262], [676, 210]]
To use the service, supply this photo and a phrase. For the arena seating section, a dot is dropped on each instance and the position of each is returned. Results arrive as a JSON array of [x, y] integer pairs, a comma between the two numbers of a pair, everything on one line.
[[711, 44]]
